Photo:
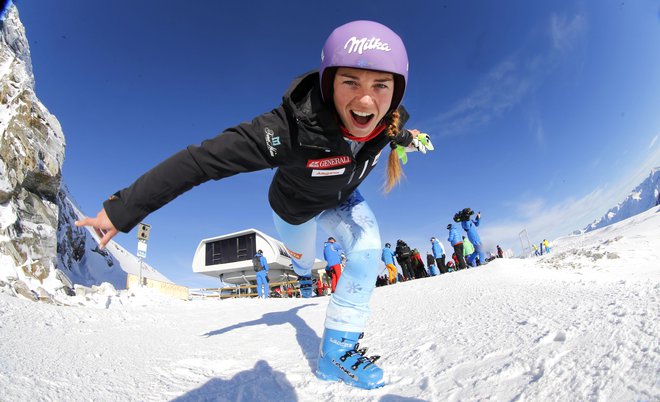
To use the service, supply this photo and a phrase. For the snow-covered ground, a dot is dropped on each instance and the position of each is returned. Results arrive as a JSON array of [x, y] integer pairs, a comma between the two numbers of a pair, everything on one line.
[[580, 323]]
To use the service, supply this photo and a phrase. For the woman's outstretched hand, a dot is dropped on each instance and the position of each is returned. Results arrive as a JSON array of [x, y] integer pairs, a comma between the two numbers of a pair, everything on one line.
[[421, 141], [102, 226]]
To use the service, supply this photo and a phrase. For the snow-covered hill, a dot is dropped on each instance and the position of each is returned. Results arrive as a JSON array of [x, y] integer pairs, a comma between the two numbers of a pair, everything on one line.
[[643, 197], [581, 324]]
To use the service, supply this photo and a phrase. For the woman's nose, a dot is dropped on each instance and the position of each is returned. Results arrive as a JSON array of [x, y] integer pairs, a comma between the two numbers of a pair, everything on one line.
[[365, 98]]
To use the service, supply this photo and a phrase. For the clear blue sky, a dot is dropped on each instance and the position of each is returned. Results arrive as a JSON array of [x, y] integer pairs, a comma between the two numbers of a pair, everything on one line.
[[543, 114]]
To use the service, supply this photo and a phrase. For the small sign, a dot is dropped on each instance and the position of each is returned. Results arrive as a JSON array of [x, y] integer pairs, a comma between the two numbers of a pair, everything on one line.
[[142, 249]]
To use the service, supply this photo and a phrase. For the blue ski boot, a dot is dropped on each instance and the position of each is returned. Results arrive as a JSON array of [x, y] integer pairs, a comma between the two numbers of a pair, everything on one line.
[[305, 286], [341, 359]]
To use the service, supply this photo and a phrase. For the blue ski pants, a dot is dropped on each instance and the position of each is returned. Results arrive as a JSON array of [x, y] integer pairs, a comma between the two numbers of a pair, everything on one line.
[[354, 227], [262, 279]]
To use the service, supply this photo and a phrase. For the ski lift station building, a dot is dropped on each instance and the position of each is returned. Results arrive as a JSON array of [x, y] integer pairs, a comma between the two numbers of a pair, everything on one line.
[[229, 257]]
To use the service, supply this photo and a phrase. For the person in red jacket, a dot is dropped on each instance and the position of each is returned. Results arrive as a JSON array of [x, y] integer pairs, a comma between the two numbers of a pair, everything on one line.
[[320, 287]]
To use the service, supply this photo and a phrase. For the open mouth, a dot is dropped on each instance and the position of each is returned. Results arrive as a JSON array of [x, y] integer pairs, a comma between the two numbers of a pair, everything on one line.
[[361, 118]]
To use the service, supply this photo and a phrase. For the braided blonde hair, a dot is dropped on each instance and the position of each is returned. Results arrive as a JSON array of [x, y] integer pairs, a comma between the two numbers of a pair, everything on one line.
[[394, 170]]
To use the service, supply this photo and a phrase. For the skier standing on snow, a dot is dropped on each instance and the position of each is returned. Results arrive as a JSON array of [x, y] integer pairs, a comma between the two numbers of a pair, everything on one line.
[[470, 227], [387, 257], [262, 275], [457, 243], [418, 265], [439, 254], [403, 257], [469, 254], [333, 254], [324, 140]]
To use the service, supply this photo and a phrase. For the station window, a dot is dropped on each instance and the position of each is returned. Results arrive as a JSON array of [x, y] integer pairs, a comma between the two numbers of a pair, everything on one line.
[[239, 248]]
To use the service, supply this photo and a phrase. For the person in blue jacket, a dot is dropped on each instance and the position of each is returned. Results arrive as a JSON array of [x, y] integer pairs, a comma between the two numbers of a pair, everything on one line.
[[470, 227], [333, 254], [262, 276], [388, 258], [439, 254], [456, 242]]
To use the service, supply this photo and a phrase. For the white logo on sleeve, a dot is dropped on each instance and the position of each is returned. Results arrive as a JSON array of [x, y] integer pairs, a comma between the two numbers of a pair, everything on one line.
[[271, 141]]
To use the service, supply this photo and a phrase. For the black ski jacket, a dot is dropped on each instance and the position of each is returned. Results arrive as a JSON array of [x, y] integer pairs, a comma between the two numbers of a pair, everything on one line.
[[316, 169]]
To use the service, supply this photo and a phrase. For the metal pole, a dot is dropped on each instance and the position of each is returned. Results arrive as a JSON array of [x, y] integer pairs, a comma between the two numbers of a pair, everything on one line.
[[140, 264]]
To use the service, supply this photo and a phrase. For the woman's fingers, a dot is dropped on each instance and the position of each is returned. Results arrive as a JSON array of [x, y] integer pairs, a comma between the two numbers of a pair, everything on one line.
[[107, 237], [102, 226]]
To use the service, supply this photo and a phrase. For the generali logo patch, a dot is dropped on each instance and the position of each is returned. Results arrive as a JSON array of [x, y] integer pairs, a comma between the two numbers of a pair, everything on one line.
[[327, 163]]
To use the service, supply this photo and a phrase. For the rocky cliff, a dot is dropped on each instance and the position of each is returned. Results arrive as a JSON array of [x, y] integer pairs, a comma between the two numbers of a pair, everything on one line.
[[42, 253], [31, 157]]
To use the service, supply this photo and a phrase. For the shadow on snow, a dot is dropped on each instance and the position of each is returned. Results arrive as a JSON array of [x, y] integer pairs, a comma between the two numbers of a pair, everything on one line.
[[307, 339], [261, 383]]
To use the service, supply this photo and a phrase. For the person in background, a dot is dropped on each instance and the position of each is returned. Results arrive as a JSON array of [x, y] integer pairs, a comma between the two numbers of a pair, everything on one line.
[[430, 262], [470, 227], [387, 257], [500, 253], [468, 253], [262, 275], [418, 265], [546, 244], [333, 254], [403, 256], [320, 287], [332, 123], [439, 254], [536, 250], [457, 243]]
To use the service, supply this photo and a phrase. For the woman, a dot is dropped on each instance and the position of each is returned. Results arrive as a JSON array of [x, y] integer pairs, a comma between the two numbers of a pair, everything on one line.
[[324, 140]]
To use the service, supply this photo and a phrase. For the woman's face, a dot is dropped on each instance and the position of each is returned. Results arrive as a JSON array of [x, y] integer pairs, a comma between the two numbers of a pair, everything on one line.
[[362, 98]]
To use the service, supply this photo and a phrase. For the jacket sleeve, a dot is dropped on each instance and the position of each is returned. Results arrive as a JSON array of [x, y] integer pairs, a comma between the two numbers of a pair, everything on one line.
[[262, 143], [404, 137]]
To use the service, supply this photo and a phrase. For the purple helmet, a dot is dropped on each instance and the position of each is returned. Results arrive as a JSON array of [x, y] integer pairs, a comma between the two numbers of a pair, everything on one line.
[[367, 45]]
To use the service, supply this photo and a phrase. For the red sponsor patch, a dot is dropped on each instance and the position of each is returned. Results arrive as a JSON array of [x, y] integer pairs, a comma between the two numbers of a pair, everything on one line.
[[327, 163], [297, 256]]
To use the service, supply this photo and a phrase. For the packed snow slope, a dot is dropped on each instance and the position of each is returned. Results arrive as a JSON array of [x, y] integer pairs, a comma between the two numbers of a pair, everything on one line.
[[580, 323]]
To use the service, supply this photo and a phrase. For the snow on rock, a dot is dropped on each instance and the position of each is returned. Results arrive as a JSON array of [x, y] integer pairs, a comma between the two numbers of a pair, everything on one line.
[[643, 197], [31, 156]]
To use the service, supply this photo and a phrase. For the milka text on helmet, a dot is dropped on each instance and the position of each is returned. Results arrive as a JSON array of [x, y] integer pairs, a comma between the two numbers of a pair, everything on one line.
[[360, 45]]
